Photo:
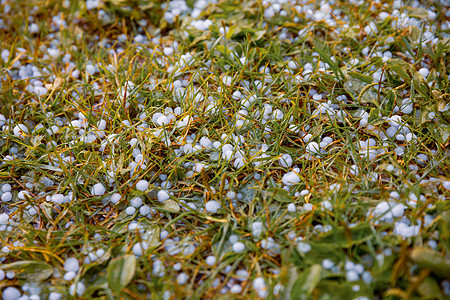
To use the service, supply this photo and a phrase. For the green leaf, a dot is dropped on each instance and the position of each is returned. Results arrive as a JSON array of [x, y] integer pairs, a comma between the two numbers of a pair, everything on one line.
[[429, 289], [171, 205], [306, 283], [259, 34], [430, 259], [33, 271], [365, 78], [417, 12], [341, 290], [334, 67], [445, 225], [347, 237], [120, 271], [280, 195]]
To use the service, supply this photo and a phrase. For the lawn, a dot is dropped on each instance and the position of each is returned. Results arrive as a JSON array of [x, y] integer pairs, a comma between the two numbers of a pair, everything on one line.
[[224, 149]]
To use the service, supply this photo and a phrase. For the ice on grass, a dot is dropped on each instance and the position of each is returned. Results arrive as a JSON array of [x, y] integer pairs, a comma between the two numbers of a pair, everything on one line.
[[163, 195], [20, 131], [212, 206], [139, 248], [142, 185], [303, 247], [238, 247], [182, 278], [115, 198], [136, 202], [210, 260], [285, 160], [259, 285], [290, 178], [69, 276], [6, 197], [71, 264], [291, 207], [11, 293], [98, 189], [327, 264], [79, 288]]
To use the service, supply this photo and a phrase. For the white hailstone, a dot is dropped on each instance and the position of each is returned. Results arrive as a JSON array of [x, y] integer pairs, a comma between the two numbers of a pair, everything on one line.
[[383, 210], [2, 120], [292, 65], [446, 184], [227, 80], [163, 196], [291, 207], [168, 51], [359, 269], [259, 286], [71, 264], [142, 185], [136, 202], [303, 247], [277, 114], [238, 247], [130, 210], [205, 142], [98, 189], [11, 293], [40, 90], [212, 206], [69, 276], [115, 198], [239, 162], [327, 264], [166, 184], [308, 206], [424, 72], [6, 197], [327, 205], [349, 265], [101, 124], [2, 274], [75, 73], [182, 278], [312, 148], [356, 288], [236, 289], [6, 188], [233, 238], [177, 266], [352, 275], [367, 277], [90, 69], [162, 120], [335, 187], [139, 248], [211, 260], [198, 167], [144, 210], [398, 210], [20, 130], [421, 159], [79, 289], [406, 231], [304, 192], [285, 160], [54, 296], [236, 95], [290, 179]]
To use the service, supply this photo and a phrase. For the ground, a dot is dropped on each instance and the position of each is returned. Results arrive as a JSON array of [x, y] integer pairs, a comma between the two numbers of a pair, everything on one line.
[[228, 149]]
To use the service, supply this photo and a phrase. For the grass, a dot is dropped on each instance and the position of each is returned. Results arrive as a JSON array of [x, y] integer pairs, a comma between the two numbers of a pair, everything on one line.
[[132, 256]]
